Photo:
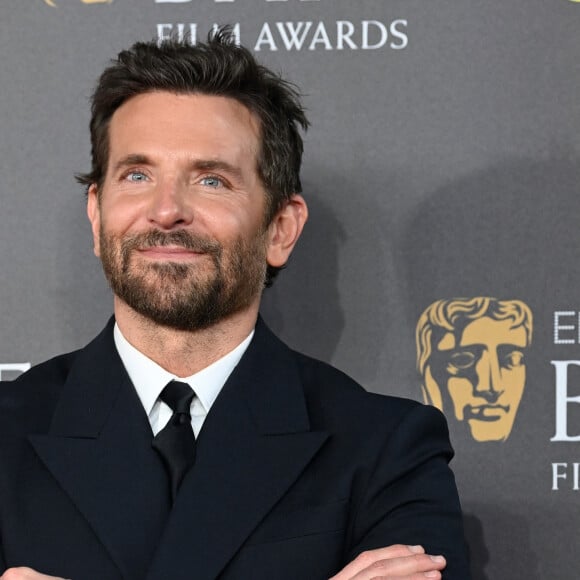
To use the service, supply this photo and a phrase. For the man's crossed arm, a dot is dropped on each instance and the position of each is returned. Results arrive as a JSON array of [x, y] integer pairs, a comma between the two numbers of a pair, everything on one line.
[[392, 563]]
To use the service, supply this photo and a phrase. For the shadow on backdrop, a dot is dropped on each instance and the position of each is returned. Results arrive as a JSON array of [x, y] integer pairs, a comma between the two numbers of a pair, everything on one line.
[[303, 306], [478, 552], [505, 231], [509, 231], [507, 560]]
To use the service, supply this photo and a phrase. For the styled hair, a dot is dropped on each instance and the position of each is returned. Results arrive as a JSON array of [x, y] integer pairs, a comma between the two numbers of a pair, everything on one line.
[[217, 67], [455, 314]]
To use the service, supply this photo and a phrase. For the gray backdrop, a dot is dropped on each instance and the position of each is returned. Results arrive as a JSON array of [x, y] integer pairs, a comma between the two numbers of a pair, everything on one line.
[[443, 161]]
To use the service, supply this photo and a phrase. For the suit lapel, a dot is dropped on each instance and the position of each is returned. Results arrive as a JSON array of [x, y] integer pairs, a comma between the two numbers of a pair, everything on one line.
[[99, 450], [254, 444]]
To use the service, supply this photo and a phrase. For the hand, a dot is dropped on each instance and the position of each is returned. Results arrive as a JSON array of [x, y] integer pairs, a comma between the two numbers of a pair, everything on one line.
[[26, 574], [393, 563]]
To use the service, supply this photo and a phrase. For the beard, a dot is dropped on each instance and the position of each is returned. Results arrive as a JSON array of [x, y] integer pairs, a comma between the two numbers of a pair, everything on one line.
[[184, 296]]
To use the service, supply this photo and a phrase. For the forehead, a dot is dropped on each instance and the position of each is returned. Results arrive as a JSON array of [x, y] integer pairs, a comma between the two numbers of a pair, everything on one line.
[[194, 125], [486, 331]]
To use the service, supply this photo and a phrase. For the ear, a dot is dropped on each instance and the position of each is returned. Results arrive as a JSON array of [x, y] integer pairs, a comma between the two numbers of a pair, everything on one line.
[[285, 229], [94, 214]]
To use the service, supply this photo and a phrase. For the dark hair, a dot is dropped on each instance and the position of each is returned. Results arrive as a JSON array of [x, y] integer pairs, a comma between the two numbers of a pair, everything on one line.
[[217, 67]]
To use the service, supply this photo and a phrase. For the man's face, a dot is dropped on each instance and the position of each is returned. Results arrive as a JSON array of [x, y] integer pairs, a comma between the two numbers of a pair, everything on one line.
[[179, 221], [485, 375]]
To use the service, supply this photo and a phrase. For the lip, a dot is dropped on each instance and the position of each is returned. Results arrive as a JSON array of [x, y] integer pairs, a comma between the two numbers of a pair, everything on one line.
[[169, 253], [486, 412]]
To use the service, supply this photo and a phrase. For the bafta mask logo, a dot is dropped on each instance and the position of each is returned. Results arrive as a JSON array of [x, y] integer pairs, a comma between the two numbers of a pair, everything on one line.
[[54, 4], [470, 354]]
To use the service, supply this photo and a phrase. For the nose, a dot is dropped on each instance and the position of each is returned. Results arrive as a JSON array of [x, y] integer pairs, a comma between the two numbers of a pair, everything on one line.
[[489, 381], [170, 205]]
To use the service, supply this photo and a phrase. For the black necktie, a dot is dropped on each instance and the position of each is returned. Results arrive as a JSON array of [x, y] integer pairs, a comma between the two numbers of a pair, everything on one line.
[[176, 441]]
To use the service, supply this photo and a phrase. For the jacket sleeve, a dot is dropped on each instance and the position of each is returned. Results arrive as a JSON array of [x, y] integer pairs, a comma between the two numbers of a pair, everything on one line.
[[2, 563], [410, 496]]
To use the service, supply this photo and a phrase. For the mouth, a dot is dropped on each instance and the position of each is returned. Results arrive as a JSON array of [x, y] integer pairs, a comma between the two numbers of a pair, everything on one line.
[[486, 412], [170, 252]]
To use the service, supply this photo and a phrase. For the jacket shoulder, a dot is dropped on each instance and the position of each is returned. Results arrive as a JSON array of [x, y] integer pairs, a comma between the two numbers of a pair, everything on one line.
[[328, 389], [27, 402], [54, 370]]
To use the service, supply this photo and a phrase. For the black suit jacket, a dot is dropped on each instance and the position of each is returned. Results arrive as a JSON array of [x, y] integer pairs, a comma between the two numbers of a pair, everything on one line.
[[298, 470]]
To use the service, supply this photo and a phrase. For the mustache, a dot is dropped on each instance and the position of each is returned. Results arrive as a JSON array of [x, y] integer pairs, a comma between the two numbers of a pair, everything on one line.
[[181, 238]]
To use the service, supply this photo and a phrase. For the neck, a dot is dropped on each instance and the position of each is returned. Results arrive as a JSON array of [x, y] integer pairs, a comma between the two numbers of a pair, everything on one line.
[[183, 352]]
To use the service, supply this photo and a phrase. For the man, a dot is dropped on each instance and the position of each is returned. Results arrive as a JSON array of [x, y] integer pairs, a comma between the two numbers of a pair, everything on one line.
[[294, 471], [470, 353]]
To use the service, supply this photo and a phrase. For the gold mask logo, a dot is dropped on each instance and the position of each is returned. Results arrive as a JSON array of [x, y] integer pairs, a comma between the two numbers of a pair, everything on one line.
[[54, 4], [470, 354]]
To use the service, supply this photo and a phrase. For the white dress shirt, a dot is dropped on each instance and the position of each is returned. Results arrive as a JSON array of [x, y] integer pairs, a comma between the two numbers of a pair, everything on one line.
[[149, 380]]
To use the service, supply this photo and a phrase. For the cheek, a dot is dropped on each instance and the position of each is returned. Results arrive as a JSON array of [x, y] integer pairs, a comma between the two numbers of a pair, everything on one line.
[[461, 393], [229, 227], [222, 226], [515, 382], [239, 211], [120, 217]]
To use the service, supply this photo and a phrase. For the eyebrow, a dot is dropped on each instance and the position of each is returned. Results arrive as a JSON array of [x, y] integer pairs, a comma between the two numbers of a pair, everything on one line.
[[196, 164], [132, 159], [217, 165]]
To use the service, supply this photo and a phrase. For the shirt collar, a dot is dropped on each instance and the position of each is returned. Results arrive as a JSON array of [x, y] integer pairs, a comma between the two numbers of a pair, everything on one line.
[[149, 378]]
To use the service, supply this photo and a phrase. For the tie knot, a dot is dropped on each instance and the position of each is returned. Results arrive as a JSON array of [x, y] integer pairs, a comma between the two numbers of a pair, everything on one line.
[[178, 396]]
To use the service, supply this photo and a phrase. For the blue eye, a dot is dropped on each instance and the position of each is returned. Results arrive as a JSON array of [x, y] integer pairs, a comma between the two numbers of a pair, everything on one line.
[[212, 181], [136, 176]]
